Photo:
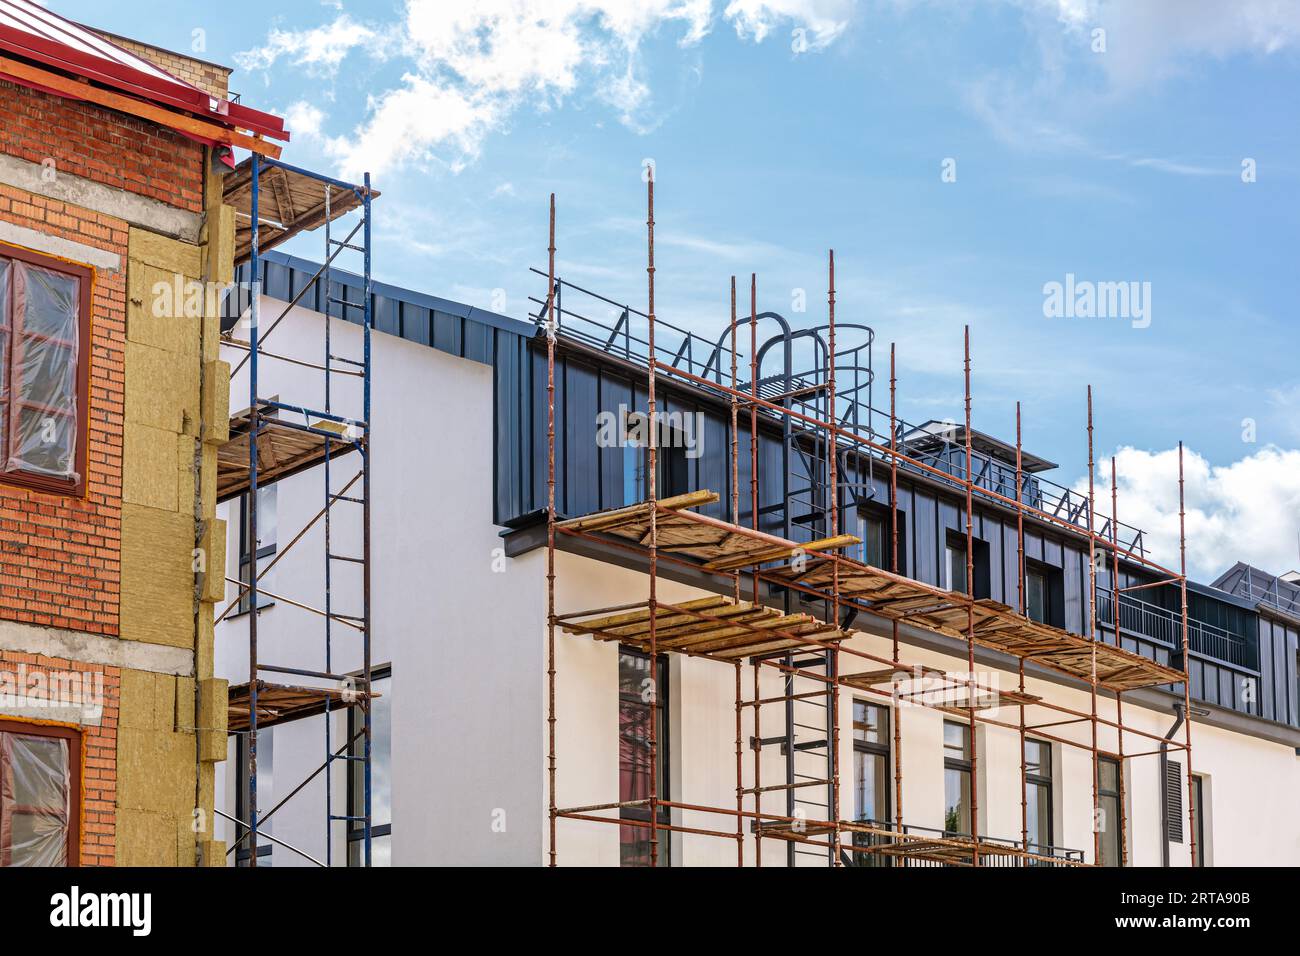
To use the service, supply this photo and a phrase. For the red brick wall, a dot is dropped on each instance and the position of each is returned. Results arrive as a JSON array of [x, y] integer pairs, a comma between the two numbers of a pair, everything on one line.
[[60, 556], [99, 144], [99, 756]]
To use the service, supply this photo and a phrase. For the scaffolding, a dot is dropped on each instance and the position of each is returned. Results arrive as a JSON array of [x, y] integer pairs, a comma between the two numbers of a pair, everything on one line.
[[275, 438], [761, 579]]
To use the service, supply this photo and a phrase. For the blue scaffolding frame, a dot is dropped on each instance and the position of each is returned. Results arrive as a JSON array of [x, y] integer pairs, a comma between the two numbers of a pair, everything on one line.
[[339, 435]]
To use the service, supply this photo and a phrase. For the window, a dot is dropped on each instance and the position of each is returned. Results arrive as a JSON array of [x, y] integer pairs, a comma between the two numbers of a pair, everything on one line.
[[871, 529], [634, 689], [266, 534], [40, 795], [44, 369], [1044, 594], [1108, 795], [672, 467], [265, 791], [381, 775], [1038, 794], [955, 566], [1036, 595], [956, 778], [871, 761]]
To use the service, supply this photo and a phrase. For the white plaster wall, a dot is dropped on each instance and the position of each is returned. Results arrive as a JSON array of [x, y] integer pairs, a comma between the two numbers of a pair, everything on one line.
[[449, 613]]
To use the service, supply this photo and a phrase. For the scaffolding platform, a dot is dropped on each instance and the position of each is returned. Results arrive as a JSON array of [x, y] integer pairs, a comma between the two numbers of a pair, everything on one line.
[[281, 703], [995, 625], [719, 546], [290, 201], [714, 627], [283, 449]]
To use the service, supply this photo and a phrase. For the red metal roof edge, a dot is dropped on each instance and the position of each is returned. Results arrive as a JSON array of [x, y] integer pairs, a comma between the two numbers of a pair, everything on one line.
[[178, 94]]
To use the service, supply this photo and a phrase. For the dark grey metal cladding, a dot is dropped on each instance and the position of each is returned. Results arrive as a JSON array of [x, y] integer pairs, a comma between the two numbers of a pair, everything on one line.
[[452, 327], [590, 478]]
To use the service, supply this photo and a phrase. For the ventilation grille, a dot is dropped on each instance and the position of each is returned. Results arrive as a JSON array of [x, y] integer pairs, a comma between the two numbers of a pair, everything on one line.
[[1174, 800]]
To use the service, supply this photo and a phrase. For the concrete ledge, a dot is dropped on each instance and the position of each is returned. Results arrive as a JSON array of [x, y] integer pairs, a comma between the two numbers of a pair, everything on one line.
[[96, 649], [137, 210], [63, 248]]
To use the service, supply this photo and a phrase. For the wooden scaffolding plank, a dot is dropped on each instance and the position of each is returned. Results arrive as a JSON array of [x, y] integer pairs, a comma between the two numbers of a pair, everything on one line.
[[716, 627], [289, 202], [281, 703], [281, 451]]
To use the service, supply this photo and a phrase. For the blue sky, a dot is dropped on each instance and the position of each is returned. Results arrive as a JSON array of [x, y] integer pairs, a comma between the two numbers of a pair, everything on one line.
[[781, 128]]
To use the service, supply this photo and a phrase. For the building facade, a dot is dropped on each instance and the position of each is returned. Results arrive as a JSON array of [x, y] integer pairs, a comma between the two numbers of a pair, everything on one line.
[[112, 228], [460, 593]]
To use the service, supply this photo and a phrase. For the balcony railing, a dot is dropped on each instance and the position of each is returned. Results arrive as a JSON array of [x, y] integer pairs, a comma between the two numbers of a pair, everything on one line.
[[945, 453], [1065, 855], [1272, 592], [1163, 626]]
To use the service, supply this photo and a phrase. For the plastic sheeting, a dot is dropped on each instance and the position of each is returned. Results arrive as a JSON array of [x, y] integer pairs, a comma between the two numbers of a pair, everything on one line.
[[42, 426], [6, 269], [35, 800]]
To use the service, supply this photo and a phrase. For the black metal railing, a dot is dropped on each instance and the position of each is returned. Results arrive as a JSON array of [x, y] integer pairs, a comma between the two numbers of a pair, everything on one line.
[[1164, 626], [1064, 855], [1272, 592], [940, 449]]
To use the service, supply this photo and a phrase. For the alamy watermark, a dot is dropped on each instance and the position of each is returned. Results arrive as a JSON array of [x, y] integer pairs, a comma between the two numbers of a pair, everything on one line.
[[52, 693], [632, 429], [1084, 299]]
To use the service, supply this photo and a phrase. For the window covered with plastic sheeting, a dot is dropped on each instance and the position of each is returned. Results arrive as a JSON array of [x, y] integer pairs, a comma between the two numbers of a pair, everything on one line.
[[39, 795], [44, 346]]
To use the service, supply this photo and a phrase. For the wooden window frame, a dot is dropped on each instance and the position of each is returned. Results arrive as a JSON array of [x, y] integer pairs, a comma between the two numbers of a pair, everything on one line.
[[85, 275], [73, 736]]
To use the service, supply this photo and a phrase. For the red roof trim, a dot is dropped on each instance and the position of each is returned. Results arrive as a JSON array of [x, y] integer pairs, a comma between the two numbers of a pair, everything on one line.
[[178, 94]]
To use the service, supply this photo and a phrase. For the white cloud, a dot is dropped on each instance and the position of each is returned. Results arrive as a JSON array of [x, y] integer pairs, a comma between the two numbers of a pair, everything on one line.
[[824, 20], [1153, 40], [1248, 510], [470, 67], [319, 51], [304, 119]]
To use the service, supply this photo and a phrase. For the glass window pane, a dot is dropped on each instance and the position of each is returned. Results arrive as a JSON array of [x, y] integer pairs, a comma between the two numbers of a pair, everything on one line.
[[42, 443], [1109, 776], [1109, 831], [956, 790], [955, 739], [50, 303], [46, 374], [870, 723], [39, 771], [957, 568], [871, 782], [381, 750], [266, 517], [871, 529], [1036, 596], [35, 798], [633, 726], [1038, 758]]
